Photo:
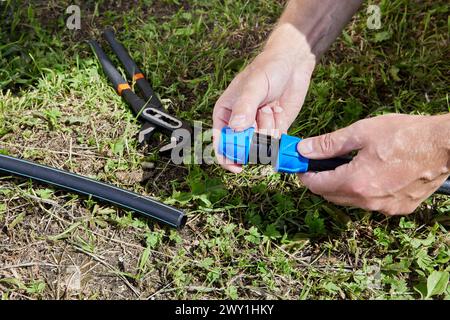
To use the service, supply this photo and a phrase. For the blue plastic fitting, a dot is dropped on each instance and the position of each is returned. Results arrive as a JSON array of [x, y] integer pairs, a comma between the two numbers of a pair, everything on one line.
[[289, 160], [236, 147]]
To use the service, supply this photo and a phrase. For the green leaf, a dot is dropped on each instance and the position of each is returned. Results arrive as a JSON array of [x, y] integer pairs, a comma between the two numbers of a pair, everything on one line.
[[437, 283], [206, 189], [393, 71], [36, 287], [213, 275], [2, 211], [401, 266], [347, 38], [382, 36], [272, 232], [316, 225], [52, 117], [15, 282], [16, 220], [207, 262], [253, 236], [187, 31], [66, 233], [4, 131], [406, 224], [228, 229], [153, 239], [383, 237], [180, 197], [421, 288], [284, 203], [144, 258], [353, 109], [204, 198], [416, 243], [175, 236], [424, 260], [118, 147], [331, 287], [215, 189], [44, 193], [76, 120], [232, 292]]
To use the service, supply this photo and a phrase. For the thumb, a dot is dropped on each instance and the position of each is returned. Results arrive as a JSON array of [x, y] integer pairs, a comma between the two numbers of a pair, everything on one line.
[[332, 144], [252, 96]]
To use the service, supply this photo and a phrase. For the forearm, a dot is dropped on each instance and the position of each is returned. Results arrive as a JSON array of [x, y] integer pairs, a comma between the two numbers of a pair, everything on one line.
[[309, 27]]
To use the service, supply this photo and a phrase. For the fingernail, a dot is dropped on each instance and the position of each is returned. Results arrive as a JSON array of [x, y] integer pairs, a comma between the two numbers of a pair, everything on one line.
[[278, 109], [267, 110], [305, 147], [237, 120]]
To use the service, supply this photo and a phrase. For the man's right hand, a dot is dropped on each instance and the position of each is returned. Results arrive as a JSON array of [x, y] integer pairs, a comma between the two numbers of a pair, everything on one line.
[[267, 94], [270, 91]]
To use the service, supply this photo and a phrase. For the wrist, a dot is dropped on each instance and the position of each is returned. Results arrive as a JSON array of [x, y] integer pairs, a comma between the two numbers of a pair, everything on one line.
[[287, 41], [310, 26]]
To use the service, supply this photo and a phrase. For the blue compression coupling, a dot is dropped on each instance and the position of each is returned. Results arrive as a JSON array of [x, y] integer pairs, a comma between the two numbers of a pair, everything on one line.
[[289, 160], [237, 146]]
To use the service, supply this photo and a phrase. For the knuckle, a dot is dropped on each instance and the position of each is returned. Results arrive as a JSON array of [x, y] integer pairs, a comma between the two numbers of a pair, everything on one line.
[[359, 125], [390, 211], [313, 187], [358, 189], [408, 209], [252, 68], [326, 143], [242, 105], [373, 205], [359, 129], [398, 209], [218, 105], [217, 110], [428, 176]]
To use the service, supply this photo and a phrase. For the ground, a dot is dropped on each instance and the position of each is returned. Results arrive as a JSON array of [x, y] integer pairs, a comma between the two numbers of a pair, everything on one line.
[[254, 235]]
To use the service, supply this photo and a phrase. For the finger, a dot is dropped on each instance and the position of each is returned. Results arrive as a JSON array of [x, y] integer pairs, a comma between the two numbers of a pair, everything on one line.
[[252, 95], [221, 117], [327, 182], [265, 119], [343, 200], [218, 124], [227, 99], [280, 116], [332, 144]]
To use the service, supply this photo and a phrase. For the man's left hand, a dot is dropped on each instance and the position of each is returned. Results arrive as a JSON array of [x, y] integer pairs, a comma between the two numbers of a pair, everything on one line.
[[401, 160]]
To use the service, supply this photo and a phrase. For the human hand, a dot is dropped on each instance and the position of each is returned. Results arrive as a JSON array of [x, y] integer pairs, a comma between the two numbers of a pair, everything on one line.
[[402, 160], [267, 94]]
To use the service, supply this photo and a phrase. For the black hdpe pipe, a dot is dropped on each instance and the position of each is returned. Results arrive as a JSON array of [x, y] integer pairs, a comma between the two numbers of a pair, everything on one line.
[[333, 163], [105, 192]]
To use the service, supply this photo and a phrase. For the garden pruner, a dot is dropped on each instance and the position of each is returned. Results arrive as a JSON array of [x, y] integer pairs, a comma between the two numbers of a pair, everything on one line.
[[149, 109]]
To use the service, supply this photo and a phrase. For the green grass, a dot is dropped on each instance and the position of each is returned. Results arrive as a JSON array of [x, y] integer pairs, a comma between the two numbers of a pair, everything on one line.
[[253, 235]]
